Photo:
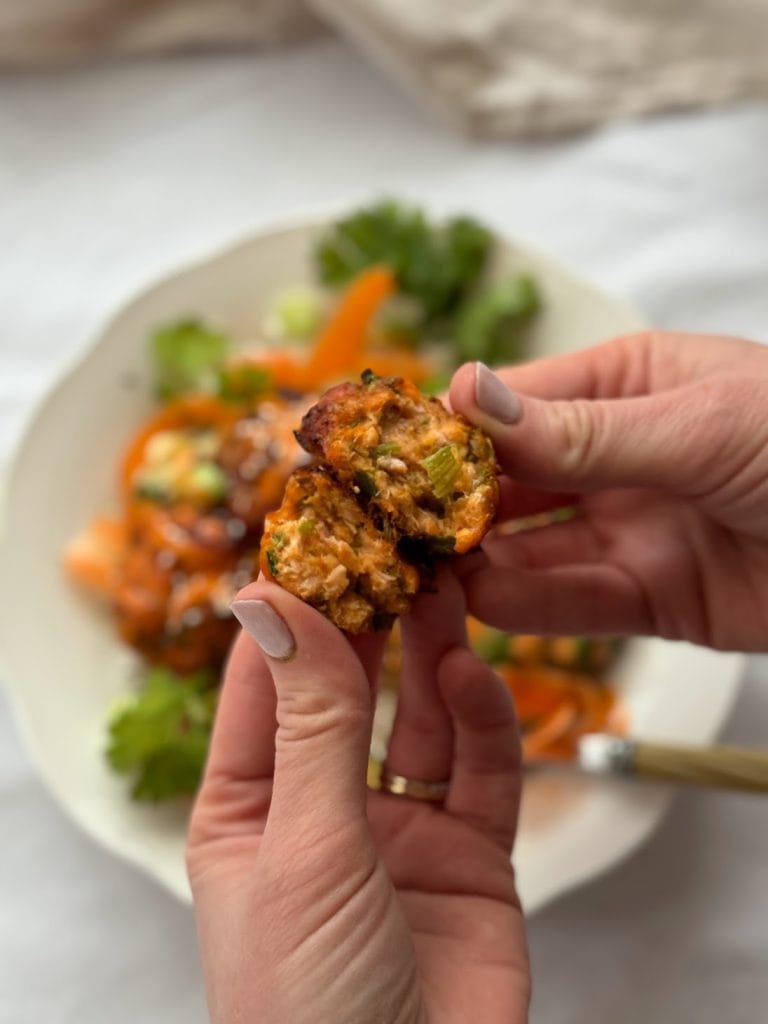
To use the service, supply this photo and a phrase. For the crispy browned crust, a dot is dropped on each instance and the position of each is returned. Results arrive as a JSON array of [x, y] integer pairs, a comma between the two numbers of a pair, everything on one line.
[[322, 547], [325, 416], [379, 438]]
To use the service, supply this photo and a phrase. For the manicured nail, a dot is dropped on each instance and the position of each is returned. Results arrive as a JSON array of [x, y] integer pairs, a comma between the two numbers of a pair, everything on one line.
[[266, 627], [494, 398]]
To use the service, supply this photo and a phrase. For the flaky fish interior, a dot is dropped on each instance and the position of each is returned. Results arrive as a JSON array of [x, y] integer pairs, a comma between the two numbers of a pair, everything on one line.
[[322, 546]]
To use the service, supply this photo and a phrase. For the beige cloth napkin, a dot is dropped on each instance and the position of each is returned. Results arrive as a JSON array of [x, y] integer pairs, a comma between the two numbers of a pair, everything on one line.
[[510, 67], [492, 67], [38, 32]]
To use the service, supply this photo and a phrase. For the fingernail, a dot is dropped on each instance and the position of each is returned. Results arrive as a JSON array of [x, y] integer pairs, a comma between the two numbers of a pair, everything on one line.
[[261, 621], [494, 398]]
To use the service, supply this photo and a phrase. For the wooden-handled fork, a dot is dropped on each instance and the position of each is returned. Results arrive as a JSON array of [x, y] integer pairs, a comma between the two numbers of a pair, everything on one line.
[[719, 766]]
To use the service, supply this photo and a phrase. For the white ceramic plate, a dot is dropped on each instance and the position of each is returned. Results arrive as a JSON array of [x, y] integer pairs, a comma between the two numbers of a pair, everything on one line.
[[65, 668]]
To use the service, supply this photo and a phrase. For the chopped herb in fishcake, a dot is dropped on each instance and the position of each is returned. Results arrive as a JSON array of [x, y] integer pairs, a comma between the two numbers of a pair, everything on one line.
[[321, 546]]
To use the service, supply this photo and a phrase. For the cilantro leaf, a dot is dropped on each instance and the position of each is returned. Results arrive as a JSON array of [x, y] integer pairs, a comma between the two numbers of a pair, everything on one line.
[[160, 736], [187, 356], [243, 382], [436, 264]]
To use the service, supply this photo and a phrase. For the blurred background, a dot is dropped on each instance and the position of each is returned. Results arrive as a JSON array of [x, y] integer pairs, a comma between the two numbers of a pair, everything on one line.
[[627, 140]]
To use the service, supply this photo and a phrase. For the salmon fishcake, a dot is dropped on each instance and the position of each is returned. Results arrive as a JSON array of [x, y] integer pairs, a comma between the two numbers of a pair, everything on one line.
[[322, 547], [426, 475], [259, 452]]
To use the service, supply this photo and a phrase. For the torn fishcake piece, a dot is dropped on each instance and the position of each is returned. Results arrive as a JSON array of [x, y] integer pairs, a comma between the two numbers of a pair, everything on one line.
[[427, 475], [321, 546]]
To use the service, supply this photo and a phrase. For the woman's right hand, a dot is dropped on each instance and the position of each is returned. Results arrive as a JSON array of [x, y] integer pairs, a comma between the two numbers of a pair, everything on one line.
[[660, 441]]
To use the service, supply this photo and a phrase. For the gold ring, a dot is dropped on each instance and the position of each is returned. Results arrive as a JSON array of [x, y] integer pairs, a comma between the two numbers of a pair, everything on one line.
[[414, 789]]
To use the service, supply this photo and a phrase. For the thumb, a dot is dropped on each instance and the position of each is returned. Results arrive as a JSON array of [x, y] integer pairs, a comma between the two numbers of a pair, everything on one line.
[[670, 440], [324, 709]]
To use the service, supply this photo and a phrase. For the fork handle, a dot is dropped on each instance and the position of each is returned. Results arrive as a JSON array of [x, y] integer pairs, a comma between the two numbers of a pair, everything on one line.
[[720, 766]]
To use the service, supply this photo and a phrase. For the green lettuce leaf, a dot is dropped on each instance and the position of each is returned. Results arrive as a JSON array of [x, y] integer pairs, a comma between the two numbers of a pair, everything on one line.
[[435, 264]]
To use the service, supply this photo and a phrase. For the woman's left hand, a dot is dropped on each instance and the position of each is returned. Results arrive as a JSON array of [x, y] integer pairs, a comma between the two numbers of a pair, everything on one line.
[[320, 901]]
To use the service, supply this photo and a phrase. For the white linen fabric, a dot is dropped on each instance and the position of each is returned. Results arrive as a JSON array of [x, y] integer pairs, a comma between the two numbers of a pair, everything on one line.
[[110, 176], [490, 67]]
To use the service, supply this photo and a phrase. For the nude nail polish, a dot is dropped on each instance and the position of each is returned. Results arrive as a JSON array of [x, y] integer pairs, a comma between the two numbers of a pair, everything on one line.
[[494, 398], [261, 621]]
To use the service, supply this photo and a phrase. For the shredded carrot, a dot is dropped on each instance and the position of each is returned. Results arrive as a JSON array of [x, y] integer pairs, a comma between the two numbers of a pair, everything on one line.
[[557, 707], [340, 349], [341, 343], [94, 556], [285, 371], [539, 740]]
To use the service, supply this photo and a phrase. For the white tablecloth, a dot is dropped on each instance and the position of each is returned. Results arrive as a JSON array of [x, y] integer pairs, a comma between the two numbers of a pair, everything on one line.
[[112, 175]]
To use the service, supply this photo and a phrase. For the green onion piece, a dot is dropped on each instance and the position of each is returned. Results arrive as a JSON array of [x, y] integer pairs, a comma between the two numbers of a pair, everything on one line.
[[442, 545], [155, 484], [383, 450], [147, 491], [306, 526], [207, 482], [272, 560], [299, 312], [443, 469], [366, 484]]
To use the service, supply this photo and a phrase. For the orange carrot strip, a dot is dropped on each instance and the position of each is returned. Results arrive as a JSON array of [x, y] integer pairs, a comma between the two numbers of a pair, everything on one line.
[[285, 371], [340, 344], [340, 348], [552, 729], [94, 556], [560, 706]]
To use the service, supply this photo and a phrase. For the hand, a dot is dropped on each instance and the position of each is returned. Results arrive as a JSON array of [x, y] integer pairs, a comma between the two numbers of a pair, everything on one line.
[[320, 901], [661, 441]]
